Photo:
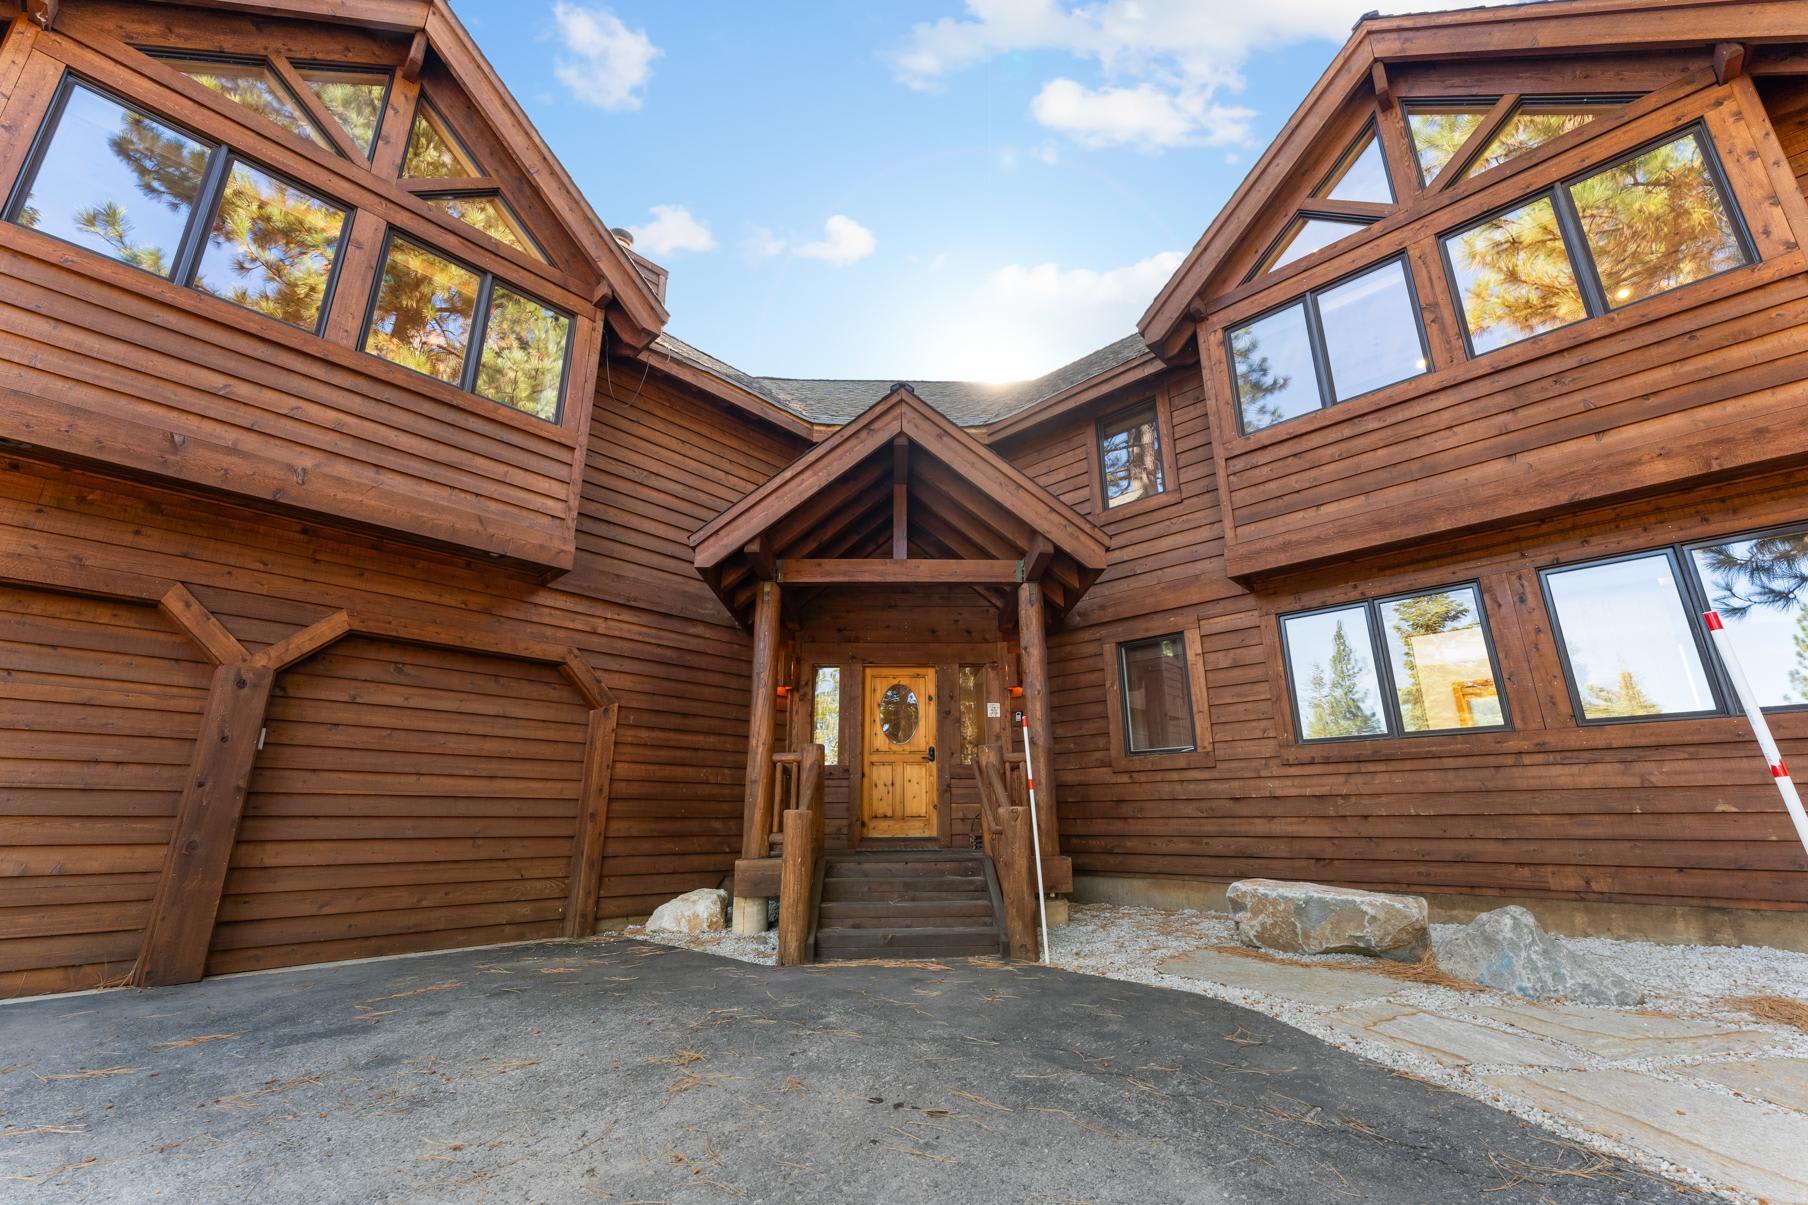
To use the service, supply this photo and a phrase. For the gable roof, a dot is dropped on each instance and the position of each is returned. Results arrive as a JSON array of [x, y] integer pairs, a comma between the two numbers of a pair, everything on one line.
[[832, 402], [1543, 27], [634, 311]]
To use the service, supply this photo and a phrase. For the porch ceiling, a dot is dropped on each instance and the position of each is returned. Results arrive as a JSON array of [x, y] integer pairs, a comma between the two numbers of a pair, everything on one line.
[[913, 499]]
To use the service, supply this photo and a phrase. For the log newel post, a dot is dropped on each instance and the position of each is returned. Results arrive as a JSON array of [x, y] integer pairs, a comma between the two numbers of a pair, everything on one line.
[[757, 818], [1033, 643]]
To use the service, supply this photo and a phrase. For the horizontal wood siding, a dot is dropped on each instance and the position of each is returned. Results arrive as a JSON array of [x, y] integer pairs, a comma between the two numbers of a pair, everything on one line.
[[1675, 812], [406, 798], [100, 703]]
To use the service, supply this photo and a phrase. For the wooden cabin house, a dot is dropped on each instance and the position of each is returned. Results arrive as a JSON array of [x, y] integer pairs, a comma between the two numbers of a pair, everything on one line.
[[376, 576]]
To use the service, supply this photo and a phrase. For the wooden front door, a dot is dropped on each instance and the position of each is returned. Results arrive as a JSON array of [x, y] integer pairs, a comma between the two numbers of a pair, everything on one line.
[[898, 794]]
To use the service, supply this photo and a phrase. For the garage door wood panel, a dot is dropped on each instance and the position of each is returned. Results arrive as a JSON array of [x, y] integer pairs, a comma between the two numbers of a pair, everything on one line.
[[406, 798], [100, 703]]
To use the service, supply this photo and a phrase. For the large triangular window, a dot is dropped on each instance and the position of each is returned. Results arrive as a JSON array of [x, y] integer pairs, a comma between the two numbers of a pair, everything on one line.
[[251, 84], [489, 213]]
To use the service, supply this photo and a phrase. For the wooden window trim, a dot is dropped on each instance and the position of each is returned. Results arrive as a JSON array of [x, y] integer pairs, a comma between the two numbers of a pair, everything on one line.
[[1170, 468], [1186, 625]]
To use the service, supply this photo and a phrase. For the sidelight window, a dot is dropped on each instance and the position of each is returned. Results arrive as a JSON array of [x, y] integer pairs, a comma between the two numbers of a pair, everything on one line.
[[111, 177], [825, 717]]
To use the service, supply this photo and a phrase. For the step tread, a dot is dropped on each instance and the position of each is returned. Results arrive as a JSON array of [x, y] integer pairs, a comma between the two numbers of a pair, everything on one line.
[[977, 906]]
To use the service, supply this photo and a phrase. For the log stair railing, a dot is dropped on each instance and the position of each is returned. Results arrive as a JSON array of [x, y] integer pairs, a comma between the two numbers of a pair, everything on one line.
[[797, 778], [1009, 843]]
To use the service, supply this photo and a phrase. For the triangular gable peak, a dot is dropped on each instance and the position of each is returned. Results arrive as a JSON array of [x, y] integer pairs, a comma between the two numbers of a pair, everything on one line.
[[898, 497], [1439, 90], [449, 130]]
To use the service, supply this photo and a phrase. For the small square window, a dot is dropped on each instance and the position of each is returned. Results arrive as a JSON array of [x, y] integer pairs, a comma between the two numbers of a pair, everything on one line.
[[1371, 331], [523, 361], [1130, 456], [1158, 702], [425, 308], [1271, 359]]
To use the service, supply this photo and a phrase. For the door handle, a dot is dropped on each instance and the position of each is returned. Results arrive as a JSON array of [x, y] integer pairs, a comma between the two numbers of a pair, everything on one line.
[[931, 756]]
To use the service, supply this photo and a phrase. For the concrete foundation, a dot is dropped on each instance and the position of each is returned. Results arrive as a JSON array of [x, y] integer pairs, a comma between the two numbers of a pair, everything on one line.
[[749, 914], [1664, 924]]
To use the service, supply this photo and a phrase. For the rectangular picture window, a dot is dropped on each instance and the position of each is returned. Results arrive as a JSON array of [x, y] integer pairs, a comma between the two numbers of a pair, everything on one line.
[[1629, 646], [825, 717], [430, 312], [1347, 339], [1158, 707], [1513, 276], [1656, 221], [1759, 585], [1332, 669], [115, 180], [271, 247], [1442, 668], [1130, 455]]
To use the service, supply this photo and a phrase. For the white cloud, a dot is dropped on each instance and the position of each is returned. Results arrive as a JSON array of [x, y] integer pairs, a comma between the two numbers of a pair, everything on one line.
[[844, 241], [1146, 117], [1163, 61], [602, 62], [672, 228], [1050, 287]]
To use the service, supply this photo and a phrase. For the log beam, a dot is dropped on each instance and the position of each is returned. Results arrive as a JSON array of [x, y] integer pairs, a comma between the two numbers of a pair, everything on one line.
[[900, 498], [877, 572], [756, 821], [586, 874], [1729, 61]]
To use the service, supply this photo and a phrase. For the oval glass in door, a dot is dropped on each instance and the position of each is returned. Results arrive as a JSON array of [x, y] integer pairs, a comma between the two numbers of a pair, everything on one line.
[[898, 713]]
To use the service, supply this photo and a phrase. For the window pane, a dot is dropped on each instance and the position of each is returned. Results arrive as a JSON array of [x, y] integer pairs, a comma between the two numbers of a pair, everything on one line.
[[972, 711], [1272, 360], [116, 182], [1308, 235], [1656, 222], [422, 318], [1371, 332], [353, 96], [1513, 276], [434, 151], [523, 361], [825, 720], [1158, 707], [271, 247], [1628, 639], [251, 86], [1130, 453], [490, 215], [1439, 656], [1331, 666], [1438, 132], [1362, 176], [1532, 125], [1760, 588]]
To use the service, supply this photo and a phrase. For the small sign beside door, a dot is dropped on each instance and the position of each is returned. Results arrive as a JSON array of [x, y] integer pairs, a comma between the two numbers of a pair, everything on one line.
[[994, 710]]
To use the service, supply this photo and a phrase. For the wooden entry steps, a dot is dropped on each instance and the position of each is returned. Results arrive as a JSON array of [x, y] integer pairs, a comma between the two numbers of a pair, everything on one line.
[[923, 903]]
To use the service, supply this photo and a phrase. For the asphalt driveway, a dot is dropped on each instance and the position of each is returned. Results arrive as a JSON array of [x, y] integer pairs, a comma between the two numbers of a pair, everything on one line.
[[615, 1070]]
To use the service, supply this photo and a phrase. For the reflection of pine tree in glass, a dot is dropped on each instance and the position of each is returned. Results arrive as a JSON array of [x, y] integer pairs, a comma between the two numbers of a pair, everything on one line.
[[523, 354], [1520, 277], [1426, 615], [1335, 705], [825, 725], [1437, 137], [168, 169], [1798, 677], [1626, 697], [424, 312], [280, 244], [1769, 572], [1656, 222], [1256, 380]]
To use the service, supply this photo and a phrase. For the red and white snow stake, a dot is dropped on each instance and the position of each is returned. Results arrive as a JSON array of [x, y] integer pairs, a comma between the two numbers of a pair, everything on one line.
[[1773, 757], [1029, 781]]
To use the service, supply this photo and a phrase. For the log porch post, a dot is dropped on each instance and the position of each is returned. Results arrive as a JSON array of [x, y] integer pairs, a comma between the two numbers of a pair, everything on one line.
[[1033, 643], [750, 911]]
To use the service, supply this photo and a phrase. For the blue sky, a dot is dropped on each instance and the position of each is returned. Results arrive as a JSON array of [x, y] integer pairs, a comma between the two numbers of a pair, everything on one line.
[[979, 190]]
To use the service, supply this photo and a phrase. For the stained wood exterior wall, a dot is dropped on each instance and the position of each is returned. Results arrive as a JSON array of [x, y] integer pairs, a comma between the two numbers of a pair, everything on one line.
[[393, 772]]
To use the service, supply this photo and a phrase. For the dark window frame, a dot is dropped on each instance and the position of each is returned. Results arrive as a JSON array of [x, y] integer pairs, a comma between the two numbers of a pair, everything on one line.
[[1153, 406], [164, 55], [1391, 720], [534, 249], [1123, 681], [1575, 241], [198, 224], [480, 326], [1352, 151], [373, 69], [1321, 365], [1519, 106], [1696, 603], [1484, 103]]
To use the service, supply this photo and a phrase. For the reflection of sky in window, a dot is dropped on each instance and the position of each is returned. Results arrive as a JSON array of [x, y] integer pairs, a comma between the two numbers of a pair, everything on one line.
[[1309, 648], [1764, 637], [1365, 179], [1309, 235], [1629, 617], [80, 171], [228, 266], [1370, 334], [1286, 386]]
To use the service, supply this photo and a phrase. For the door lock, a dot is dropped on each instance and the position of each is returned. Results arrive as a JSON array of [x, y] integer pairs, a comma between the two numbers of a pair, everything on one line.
[[931, 756]]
